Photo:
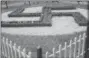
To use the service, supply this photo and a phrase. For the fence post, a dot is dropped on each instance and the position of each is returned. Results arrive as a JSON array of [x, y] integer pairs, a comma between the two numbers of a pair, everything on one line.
[[83, 46], [70, 49], [79, 43], [4, 41], [24, 53], [54, 53], [14, 48], [29, 54], [7, 45], [75, 47], [65, 56], [39, 52], [11, 49], [3, 46], [19, 52], [46, 55], [60, 51]]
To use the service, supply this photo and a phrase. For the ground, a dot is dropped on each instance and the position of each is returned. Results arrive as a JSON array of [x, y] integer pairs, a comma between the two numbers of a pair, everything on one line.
[[59, 24], [30, 42]]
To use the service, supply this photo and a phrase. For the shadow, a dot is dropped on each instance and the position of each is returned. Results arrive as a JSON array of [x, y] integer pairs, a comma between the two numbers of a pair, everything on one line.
[[86, 55]]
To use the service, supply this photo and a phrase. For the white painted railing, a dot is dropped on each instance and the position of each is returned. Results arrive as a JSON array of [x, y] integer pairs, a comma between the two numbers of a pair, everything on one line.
[[75, 49], [11, 50]]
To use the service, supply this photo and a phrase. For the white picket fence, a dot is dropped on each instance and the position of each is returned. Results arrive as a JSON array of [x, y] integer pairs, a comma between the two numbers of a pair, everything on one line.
[[11, 50], [75, 49]]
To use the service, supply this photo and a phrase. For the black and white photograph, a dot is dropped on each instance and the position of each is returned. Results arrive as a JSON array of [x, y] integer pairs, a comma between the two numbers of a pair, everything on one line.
[[44, 29]]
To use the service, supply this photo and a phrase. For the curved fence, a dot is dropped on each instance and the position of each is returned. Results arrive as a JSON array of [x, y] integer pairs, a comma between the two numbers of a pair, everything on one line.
[[73, 49], [11, 50]]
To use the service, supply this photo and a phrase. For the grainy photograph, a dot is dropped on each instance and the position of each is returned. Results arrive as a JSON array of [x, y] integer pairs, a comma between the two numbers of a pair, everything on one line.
[[44, 29]]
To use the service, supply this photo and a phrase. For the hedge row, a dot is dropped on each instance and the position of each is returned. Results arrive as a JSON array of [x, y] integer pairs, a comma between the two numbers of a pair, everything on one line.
[[17, 11], [62, 14], [26, 15], [25, 24], [63, 8], [80, 19]]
